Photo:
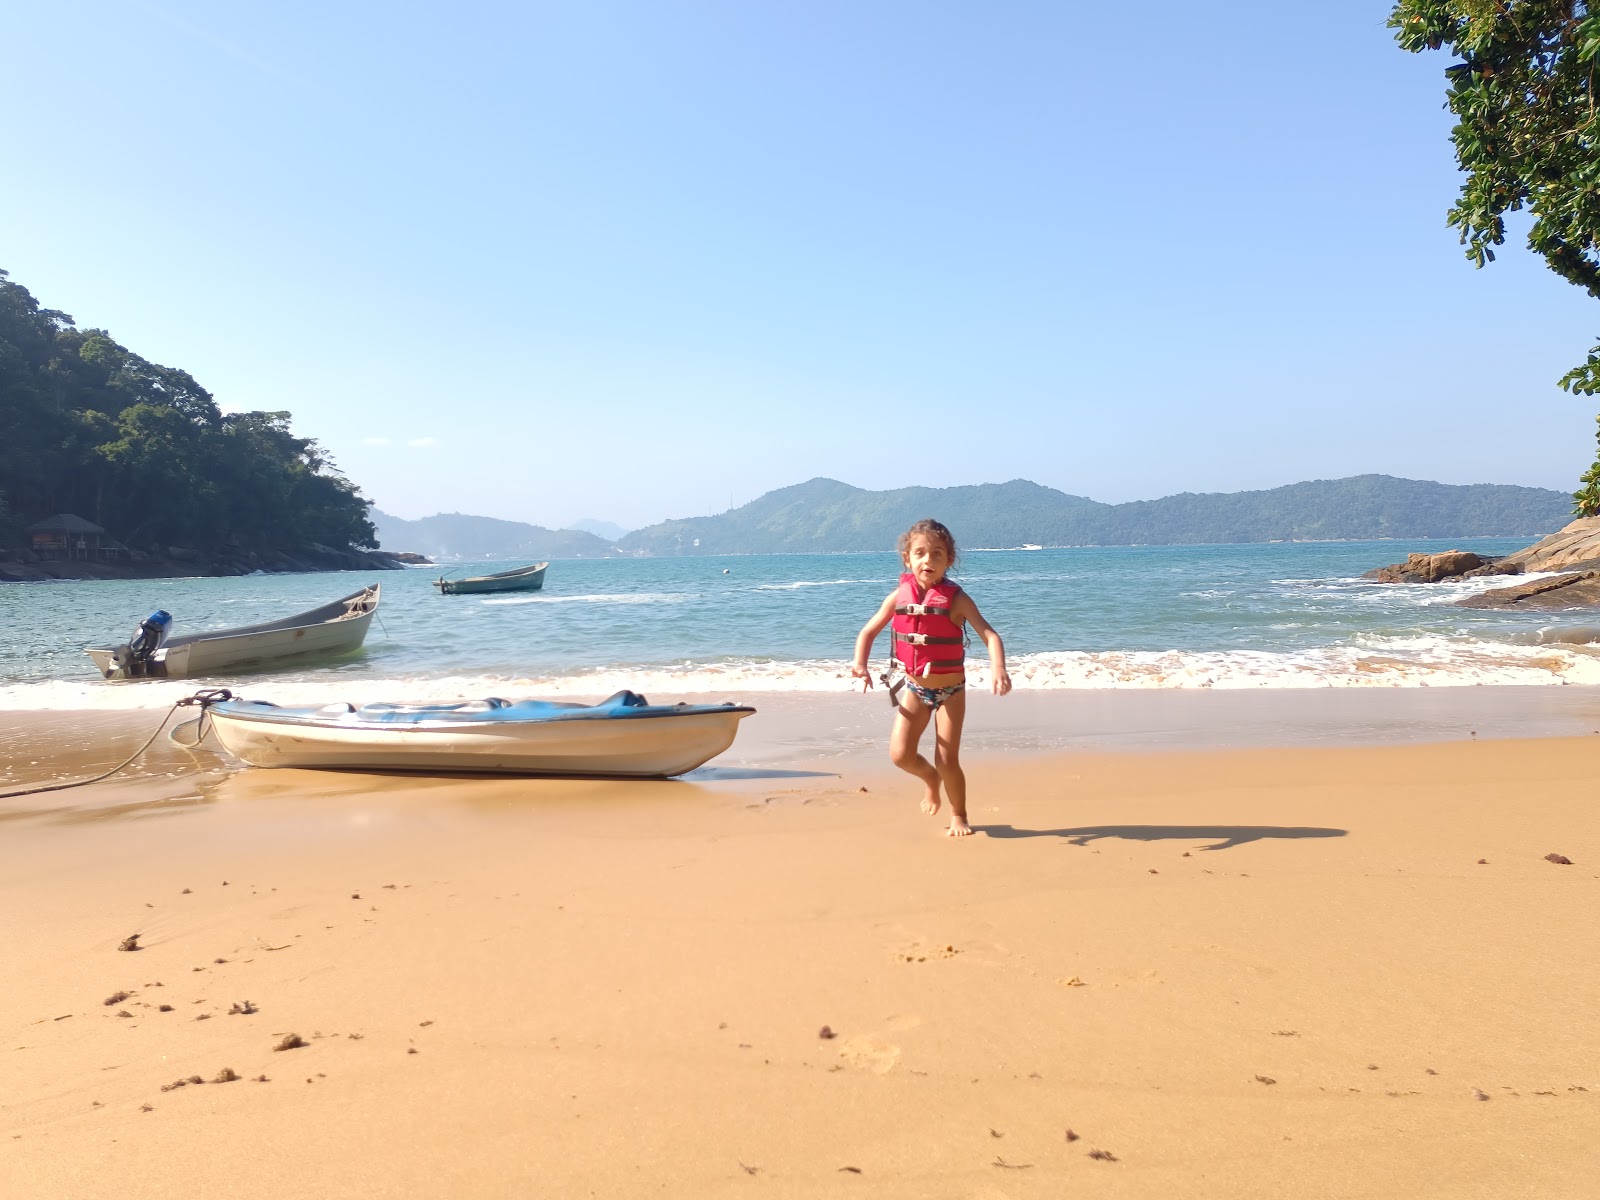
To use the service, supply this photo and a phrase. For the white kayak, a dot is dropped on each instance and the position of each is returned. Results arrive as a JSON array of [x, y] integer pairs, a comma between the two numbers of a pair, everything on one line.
[[624, 735]]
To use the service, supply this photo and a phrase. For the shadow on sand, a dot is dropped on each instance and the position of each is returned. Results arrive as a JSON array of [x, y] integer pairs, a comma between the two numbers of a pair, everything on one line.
[[1225, 836]]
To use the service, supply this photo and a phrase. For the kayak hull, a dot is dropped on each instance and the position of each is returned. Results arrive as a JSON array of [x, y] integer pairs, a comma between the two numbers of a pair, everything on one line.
[[636, 741]]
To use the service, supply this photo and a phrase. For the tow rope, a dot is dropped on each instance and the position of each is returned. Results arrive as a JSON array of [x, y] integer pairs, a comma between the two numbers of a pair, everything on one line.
[[204, 699]]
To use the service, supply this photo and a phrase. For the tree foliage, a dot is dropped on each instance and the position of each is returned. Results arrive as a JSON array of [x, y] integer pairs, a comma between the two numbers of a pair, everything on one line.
[[1587, 496], [89, 427], [1526, 135]]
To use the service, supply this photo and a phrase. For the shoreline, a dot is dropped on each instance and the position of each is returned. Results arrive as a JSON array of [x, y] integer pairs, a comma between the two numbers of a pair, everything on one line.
[[1350, 965], [850, 728]]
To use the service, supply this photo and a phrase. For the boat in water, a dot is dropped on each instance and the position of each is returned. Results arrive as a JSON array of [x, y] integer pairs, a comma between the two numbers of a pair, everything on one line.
[[624, 735], [520, 579], [334, 628]]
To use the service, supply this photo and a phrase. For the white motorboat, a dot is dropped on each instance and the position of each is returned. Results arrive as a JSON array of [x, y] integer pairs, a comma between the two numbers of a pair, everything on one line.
[[334, 628], [624, 735]]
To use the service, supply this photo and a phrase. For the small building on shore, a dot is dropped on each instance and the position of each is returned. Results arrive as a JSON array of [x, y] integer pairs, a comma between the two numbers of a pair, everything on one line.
[[67, 535]]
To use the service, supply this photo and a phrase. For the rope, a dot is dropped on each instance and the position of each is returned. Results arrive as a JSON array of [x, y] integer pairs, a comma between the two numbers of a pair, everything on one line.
[[203, 699]]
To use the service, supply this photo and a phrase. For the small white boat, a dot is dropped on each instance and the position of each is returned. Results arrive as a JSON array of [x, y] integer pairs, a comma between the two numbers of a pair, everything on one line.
[[624, 735], [520, 579], [335, 628]]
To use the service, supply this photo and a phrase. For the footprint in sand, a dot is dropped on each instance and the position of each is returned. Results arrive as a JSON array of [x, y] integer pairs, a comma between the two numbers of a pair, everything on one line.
[[867, 1053], [921, 951]]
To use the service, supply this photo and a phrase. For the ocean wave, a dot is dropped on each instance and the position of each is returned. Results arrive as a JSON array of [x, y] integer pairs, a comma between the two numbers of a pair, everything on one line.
[[811, 583], [1564, 656], [598, 598], [1369, 593]]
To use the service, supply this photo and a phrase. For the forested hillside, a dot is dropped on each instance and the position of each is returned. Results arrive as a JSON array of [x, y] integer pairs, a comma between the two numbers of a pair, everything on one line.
[[825, 515], [89, 427]]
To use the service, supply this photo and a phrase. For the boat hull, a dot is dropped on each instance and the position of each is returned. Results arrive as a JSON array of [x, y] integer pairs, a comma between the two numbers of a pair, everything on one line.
[[525, 579], [650, 745], [336, 628]]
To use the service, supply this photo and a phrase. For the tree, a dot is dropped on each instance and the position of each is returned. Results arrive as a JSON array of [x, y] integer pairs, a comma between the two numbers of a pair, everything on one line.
[[1527, 136], [1588, 493], [89, 426]]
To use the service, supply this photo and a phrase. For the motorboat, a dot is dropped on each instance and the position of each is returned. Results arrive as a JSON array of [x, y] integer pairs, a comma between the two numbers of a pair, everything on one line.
[[624, 735], [331, 629], [520, 579]]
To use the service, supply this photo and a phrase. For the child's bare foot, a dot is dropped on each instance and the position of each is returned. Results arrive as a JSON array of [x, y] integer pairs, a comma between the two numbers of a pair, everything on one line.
[[958, 826], [930, 802]]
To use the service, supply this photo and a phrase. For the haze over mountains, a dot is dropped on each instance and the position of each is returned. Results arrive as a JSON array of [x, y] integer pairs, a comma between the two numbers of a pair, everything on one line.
[[826, 516]]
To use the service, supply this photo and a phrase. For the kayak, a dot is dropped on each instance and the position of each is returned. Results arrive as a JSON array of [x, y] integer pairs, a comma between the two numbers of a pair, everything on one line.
[[624, 735]]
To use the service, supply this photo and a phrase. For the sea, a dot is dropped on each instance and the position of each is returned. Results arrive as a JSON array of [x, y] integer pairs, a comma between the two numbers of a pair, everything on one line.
[[1259, 616]]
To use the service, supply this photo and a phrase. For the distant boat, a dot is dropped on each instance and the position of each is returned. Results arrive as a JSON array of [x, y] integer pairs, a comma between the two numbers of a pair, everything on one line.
[[334, 628], [1031, 546], [624, 735], [522, 579]]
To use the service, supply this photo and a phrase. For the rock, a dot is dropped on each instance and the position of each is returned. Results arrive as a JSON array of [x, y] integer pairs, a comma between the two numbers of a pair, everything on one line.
[[1428, 568], [1576, 589], [1573, 548]]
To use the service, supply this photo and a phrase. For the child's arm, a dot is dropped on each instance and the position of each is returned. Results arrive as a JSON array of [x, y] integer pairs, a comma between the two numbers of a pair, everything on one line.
[[868, 635], [965, 609]]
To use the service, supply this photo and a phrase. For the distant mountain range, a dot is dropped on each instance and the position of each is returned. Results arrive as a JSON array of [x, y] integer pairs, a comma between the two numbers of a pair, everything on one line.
[[826, 516], [456, 535]]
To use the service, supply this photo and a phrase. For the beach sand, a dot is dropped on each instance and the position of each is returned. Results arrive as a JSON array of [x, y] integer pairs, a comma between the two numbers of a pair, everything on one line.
[[1244, 971]]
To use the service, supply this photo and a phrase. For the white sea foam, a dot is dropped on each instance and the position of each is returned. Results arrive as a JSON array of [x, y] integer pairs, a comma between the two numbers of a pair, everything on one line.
[[601, 598], [1368, 593], [811, 583], [1408, 662]]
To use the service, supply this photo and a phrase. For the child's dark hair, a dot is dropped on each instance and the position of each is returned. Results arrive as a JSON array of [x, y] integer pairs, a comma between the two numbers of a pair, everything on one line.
[[929, 528]]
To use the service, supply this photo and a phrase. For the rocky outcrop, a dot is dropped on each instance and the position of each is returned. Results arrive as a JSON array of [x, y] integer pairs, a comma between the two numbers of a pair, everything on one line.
[[1573, 548], [1429, 568], [1575, 589]]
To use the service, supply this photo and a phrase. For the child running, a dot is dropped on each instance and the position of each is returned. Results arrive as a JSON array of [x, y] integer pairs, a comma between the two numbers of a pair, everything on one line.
[[928, 612]]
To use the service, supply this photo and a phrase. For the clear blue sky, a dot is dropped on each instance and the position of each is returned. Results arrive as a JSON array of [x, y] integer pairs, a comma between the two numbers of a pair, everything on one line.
[[638, 260]]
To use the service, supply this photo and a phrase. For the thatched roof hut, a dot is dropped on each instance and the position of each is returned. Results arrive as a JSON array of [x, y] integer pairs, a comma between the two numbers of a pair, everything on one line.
[[66, 535]]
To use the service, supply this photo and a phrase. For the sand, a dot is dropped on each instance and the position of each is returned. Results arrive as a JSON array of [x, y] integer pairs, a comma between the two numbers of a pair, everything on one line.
[[1256, 971]]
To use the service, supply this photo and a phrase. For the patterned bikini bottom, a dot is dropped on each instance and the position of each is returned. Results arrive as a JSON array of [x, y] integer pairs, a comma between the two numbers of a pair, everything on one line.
[[934, 697]]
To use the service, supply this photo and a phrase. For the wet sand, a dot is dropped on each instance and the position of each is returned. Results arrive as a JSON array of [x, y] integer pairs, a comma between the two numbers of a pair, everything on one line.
[[1251, 970]]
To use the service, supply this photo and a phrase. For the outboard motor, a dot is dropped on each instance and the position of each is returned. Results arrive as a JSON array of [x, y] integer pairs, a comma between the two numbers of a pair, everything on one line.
[[138, 656]]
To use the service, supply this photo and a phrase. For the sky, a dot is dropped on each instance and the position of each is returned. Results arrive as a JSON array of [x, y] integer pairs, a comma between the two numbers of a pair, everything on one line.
[[634, 260]]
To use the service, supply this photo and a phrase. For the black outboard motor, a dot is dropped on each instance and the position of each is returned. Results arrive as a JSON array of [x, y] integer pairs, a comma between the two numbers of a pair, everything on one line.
[[138, 656]]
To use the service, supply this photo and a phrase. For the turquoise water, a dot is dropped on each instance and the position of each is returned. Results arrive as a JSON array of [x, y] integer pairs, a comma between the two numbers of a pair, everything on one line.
[[1279, 615]]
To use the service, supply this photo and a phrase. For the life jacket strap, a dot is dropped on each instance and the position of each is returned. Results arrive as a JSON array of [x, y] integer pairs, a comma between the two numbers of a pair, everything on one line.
[[922, 610], [926, 639]]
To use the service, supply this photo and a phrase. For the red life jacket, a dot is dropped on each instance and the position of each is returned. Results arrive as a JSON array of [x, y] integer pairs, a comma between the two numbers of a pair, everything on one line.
[[927, 641]]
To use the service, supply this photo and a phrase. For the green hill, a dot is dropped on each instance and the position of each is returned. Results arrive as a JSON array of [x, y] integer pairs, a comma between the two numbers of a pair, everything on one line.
[[825, 515], [91, 429]]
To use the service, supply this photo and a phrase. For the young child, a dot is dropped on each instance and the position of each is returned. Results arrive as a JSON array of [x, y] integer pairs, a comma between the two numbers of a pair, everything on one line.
[[928, 612]]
